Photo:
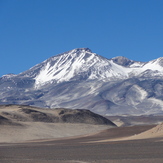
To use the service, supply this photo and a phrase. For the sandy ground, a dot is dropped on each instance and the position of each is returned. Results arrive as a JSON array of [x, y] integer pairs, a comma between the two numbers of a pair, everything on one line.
[[40, 142], [80, 150], [154, 132], [18, 125], [38, 130]]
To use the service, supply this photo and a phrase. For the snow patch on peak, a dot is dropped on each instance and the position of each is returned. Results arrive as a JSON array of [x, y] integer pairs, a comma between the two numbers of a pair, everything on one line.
[[79, 64], [8, 75], [82, 64], [63, 67], [155, 65], [158, 61]]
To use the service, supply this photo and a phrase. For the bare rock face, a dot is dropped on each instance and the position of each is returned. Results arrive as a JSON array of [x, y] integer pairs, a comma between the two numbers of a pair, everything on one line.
[[4, 120], [82, 116], [122, 61], [38, 116]]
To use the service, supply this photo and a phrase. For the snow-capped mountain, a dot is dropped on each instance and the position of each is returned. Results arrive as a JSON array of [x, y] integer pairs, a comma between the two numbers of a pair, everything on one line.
[[82, 64], [80, 79], [78, 64]]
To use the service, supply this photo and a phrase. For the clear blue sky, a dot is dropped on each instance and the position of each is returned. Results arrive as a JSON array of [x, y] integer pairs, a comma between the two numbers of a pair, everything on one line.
[[34, 30]]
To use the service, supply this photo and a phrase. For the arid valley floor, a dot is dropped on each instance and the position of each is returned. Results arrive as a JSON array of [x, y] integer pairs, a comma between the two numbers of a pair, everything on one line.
[[80, 143]]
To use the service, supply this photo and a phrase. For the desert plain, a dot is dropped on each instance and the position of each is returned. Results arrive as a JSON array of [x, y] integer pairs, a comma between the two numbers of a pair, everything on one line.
[[23, 140]]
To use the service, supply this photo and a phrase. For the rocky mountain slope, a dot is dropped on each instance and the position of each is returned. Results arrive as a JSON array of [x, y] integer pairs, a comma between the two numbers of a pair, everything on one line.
[[80, 79]]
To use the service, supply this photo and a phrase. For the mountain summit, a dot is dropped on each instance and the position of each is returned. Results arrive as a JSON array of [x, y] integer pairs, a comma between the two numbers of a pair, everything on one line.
[[81, 79], [74, 65], [122, 61]]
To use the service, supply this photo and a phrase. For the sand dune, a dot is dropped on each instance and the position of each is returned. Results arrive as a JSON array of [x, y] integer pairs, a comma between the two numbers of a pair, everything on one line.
[[155, 132]]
